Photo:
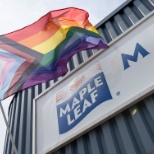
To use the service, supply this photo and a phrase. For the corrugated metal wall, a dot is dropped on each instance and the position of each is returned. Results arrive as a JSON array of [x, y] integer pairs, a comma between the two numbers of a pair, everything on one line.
[[130, 132]]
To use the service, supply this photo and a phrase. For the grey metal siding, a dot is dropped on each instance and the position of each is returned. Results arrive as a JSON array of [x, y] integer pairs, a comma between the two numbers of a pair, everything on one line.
[[130, 132]]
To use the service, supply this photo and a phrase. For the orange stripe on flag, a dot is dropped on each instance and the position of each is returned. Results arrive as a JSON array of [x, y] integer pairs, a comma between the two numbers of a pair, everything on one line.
[[40, 37]]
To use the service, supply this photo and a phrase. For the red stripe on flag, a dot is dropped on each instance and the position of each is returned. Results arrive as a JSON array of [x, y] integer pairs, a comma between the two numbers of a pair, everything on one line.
[[69, 14]]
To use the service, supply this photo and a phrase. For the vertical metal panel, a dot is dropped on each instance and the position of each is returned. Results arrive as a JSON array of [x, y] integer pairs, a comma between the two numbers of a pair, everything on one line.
[[142, 131], [149, 105], [126, 138], [101, 33], [121, 24], [141, 7], [131, 15], [7, 145], [151, 2], [12, 126], [132, 131], [94, 142], [16, 121], [105, 32], [108, 138], [111, 30], [83, 56], [80, 145], [148, 5], [29, 121], [126, 19], [22, 124]]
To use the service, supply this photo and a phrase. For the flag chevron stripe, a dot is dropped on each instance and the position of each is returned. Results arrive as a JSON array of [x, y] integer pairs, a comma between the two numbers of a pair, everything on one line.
[[15, 61], [19, 47], [32, 61], [19, 79], [17, 52], [6, 68]]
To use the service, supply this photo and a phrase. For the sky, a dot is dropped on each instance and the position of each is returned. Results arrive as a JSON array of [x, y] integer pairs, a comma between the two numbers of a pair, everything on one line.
[[16, 14]]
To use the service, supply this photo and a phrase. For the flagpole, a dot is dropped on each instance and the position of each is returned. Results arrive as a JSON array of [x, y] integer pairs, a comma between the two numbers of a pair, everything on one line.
[[8, 129]]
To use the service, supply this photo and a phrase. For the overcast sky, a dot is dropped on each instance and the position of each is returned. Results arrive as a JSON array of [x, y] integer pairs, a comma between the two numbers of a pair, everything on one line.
[[15, 14]]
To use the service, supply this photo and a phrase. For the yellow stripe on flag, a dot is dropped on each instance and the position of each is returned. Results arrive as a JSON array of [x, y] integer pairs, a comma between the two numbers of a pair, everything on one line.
[[93, 29], [52, 42]]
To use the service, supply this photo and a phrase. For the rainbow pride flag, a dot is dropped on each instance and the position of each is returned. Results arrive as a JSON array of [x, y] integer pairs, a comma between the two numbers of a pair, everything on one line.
[[39, 52]]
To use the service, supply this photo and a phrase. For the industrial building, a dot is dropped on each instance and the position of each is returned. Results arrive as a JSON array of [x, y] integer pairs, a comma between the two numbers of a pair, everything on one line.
[[128, 131]]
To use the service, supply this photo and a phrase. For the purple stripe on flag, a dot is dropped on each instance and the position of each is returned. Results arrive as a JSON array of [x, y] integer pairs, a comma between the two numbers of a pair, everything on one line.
[[59, 67]]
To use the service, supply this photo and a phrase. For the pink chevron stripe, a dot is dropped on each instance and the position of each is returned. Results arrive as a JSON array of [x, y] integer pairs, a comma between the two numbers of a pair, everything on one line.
[[6, 68]]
